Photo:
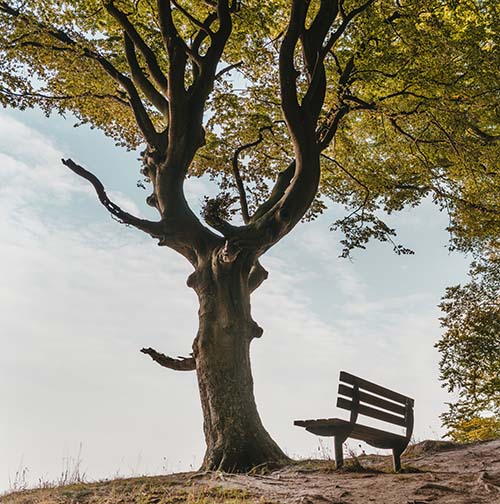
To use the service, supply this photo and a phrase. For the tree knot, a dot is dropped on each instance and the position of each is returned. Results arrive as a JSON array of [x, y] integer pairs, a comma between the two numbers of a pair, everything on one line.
[[228, 253]]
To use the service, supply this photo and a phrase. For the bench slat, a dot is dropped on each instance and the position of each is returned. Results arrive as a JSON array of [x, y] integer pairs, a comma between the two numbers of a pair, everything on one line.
[[372, 412], [364, 397], [373, 387], [378, 438], [335, 426]]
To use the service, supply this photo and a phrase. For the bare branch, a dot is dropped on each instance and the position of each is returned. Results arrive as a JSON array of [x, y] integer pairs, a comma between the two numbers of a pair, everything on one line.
[[155, 229], [200, 24], [48, 98], [414, 139], [177, 53], [177, 48], [237, 174], [219, 74], [138, 77], [345, 23], [362, 104], [282, 182], [153, 67], [312, 44], [448, 196], [443, 130], [405, 92], [178, 364], [203, 85], [486, 137], [202, 34], [328, 130], [287, 70], [347, 172], [141, 116]]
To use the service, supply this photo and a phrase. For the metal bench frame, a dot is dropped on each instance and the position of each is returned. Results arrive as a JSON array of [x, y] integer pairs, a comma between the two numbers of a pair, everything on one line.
[[359, 397]]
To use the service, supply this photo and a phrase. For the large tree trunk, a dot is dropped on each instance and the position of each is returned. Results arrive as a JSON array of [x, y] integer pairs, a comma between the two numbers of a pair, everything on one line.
[[236, 439]]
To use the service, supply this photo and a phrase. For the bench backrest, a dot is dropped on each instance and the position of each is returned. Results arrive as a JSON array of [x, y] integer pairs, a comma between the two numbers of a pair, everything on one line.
[[363, 395]]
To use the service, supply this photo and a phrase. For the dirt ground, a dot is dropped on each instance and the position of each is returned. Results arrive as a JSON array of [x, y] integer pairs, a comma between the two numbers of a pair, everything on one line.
[[434, 472]]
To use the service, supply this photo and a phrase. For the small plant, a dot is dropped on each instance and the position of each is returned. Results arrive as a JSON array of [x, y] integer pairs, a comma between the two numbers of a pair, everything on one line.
[[352, 463], [20, 481], [324, 450], [71, 473]]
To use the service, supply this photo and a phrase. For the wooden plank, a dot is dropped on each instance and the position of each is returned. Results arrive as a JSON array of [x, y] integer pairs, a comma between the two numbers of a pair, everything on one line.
[[371, 433], [372, 412], [336, 426], [364, 397], [321, 422], [374, 388], [378, 438], [325, 426]]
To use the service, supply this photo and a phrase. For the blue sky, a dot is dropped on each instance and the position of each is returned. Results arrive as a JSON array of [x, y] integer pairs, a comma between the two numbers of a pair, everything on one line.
[[81, 294]]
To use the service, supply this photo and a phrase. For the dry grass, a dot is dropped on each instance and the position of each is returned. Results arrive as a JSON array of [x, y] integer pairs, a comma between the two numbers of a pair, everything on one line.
[[144, 490]]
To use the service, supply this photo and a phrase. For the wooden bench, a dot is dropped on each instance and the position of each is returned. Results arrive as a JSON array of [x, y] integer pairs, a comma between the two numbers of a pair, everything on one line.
[[359, 399]]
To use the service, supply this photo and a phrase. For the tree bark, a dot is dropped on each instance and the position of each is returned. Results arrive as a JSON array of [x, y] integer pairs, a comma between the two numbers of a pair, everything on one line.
[[235, 437]]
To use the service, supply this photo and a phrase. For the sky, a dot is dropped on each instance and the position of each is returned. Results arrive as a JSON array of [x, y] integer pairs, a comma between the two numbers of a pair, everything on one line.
[[80, 295]]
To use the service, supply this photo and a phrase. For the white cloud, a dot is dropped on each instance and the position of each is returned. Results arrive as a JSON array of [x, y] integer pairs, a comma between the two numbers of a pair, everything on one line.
[[32, 166], [23, 142]]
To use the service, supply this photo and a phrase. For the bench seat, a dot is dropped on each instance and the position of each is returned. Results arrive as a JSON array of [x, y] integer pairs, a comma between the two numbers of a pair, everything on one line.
[[335, 426]]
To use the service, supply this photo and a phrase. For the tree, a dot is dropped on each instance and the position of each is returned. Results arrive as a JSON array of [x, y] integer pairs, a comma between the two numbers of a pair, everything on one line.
[[470, 353], [374, 104]]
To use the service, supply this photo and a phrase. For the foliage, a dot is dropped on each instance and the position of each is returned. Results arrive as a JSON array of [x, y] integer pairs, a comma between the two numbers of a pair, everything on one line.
[[470, 353], [427, 76], [475, 429], [416, 82]]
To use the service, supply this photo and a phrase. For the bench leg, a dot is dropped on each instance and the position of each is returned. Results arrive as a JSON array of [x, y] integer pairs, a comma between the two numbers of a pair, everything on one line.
[[396, 459], [339, 453]]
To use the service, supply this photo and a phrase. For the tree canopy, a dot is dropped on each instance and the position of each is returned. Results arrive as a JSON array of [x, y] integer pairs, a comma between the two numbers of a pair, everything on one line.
[[412, 99]]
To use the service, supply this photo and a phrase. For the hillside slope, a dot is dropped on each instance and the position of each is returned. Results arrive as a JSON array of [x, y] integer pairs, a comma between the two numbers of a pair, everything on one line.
[[435, 472]]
